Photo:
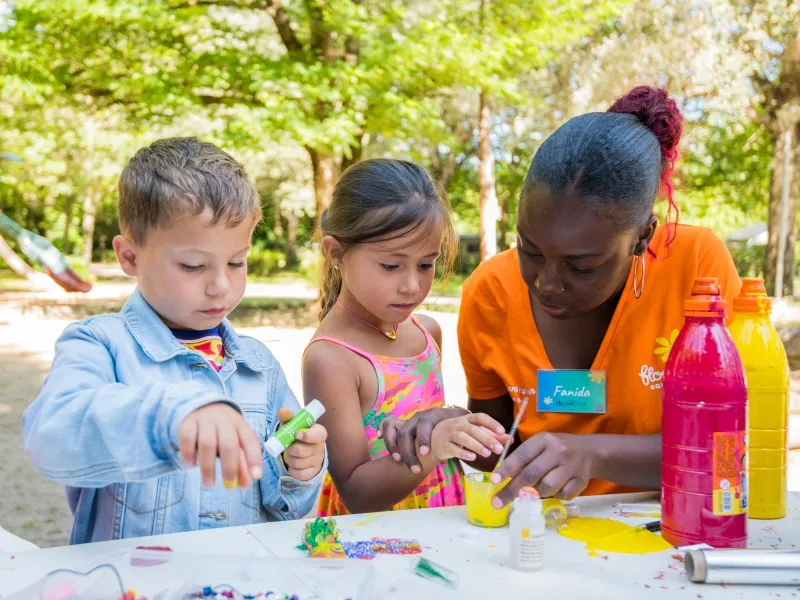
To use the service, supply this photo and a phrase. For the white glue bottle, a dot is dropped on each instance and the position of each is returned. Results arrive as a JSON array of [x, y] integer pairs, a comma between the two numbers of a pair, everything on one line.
[[527, 527]]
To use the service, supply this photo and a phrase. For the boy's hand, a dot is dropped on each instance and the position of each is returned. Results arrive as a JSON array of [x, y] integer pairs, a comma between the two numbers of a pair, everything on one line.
[[464, 437], [305, 456], [219, 430]]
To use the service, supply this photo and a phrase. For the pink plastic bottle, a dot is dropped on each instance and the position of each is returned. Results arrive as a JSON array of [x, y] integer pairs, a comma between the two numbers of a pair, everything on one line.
[[703, 429]]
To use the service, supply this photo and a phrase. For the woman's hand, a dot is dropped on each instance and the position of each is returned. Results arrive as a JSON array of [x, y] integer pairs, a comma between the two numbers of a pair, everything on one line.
[[405, 438], [556, 464]]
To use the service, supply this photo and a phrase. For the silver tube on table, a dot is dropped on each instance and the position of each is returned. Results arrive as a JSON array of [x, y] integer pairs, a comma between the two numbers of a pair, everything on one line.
[[754, 567]]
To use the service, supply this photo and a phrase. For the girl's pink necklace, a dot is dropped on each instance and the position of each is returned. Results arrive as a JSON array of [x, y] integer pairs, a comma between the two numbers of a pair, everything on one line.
[[391, 334]]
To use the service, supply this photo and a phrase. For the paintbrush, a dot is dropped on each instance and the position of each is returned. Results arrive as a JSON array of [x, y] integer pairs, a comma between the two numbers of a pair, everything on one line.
[[652, 527], [513, 431]]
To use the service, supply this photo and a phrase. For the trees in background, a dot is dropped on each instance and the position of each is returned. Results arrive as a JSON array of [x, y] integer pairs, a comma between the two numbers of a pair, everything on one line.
[[734, 68], [300, 89]]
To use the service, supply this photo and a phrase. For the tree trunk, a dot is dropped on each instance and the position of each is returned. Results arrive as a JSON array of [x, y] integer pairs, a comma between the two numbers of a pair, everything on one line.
[[782, 101], [777, 178], [277, 218], [356, 150], [488, 208], [447, 171], [504, 224], [321, 36], [324, 166], [89, 199], [69, 201], [87, 225], [291, 239]]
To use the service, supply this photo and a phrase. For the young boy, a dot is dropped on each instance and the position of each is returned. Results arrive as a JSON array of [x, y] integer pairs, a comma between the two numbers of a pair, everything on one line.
[[136, 399]]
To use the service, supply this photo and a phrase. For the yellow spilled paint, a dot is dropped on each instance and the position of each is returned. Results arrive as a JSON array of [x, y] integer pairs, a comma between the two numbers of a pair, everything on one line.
[[607, 535]]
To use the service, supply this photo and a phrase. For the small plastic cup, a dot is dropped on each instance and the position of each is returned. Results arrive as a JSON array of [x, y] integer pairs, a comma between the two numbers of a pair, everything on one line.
[[480, 491]]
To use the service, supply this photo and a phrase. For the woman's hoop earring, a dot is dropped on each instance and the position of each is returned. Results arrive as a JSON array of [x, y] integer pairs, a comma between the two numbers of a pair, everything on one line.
[[638, 289]]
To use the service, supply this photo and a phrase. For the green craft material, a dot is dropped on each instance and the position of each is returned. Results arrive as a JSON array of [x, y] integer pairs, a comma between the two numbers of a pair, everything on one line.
[[321, 539], [317, 531], [432, 571]]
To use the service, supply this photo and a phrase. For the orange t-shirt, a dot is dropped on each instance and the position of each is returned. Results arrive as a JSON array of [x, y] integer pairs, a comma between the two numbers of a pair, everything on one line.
[[501, 349]]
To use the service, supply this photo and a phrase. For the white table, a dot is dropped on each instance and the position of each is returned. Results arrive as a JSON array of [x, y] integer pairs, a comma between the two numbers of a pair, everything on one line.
[[10, 543], [479, 557]]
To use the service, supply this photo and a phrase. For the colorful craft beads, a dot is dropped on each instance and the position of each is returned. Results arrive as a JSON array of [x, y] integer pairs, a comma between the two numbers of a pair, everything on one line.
[[210, 592], [368, 549], [321, 539]]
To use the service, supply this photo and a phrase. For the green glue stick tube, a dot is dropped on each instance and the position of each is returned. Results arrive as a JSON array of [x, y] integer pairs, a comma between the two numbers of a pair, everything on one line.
[[285, 436]]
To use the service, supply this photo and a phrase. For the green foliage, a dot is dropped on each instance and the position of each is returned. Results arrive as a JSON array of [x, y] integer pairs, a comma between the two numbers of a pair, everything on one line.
[[87, 82], [723, 180], [265, 262], [749, 260]]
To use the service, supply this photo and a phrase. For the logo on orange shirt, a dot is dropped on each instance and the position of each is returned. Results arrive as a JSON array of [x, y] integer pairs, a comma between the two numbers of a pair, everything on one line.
[[649, 375], [514, 390]]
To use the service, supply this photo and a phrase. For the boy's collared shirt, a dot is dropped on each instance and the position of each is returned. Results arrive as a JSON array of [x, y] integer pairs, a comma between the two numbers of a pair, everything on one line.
[[106, 425], [208, 343]]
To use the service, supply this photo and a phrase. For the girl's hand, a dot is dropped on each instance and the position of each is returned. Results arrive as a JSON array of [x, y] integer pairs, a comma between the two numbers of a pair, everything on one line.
[[466, 436], [556, 464], [404, 439]]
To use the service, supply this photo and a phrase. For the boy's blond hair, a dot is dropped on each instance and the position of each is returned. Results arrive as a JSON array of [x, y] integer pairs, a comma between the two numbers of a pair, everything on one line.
[[175, 177]]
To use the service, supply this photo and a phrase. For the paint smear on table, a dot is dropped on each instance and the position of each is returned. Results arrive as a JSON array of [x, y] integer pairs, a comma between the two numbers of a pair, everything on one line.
[[370, 518], [607, 535]]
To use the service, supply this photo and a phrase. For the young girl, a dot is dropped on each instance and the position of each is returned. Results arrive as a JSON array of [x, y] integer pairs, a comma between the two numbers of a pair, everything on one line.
[[371, 359]]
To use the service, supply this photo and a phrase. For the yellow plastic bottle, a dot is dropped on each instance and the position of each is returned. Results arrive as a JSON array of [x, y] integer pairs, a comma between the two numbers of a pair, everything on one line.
[[767, 369]]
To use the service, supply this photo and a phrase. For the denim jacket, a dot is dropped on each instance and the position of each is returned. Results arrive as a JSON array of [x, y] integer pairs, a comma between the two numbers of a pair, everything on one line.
[[106, 426]]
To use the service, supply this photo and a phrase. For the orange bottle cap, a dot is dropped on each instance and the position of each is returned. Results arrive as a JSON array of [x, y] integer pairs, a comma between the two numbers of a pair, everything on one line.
[[706, 299], [529, 493], [753, 298]]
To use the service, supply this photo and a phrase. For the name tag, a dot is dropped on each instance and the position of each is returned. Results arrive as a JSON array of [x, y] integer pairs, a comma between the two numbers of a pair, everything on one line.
[[571, 391]]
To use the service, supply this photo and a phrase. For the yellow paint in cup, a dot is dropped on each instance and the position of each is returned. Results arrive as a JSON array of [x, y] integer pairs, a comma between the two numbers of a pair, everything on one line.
[[480, 491]]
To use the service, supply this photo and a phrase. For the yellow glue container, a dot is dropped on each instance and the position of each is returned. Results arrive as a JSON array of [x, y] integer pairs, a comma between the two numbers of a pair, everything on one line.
[[480, 491], [554, 512], [767, 370]]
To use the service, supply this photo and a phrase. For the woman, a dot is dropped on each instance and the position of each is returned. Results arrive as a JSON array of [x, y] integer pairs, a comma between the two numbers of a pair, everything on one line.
[[580, 317]]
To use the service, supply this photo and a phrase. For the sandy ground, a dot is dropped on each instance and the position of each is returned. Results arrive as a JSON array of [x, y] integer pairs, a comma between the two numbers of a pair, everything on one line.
[[35, 509]]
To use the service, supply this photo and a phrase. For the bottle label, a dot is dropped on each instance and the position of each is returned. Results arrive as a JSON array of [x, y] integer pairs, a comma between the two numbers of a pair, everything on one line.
[[530, 548], [730, 450]]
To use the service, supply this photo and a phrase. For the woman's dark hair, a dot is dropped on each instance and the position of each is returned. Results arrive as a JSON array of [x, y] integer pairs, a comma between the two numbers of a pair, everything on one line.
[[380, 200], [619, 159]]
